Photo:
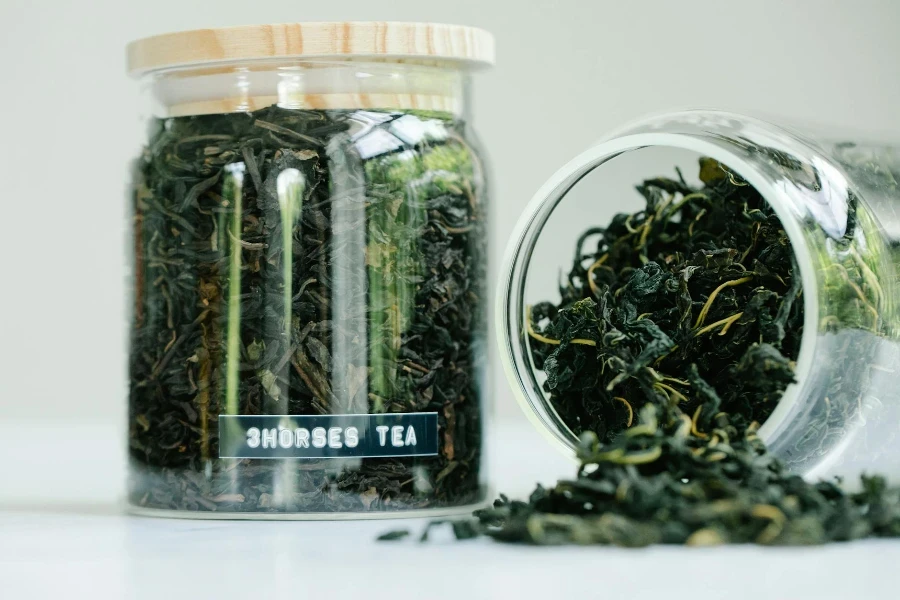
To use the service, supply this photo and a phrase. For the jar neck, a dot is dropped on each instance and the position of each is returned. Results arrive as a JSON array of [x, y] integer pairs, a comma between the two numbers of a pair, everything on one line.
[[307, 85]]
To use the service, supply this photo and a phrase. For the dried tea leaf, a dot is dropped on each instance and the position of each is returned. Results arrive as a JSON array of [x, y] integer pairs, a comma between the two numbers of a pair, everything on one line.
[[392, 536]]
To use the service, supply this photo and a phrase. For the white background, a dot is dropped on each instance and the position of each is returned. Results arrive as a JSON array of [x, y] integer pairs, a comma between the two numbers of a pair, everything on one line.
[[567, 72]]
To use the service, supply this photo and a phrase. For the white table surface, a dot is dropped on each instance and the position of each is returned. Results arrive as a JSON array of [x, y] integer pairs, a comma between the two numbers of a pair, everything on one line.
[[63, 534]]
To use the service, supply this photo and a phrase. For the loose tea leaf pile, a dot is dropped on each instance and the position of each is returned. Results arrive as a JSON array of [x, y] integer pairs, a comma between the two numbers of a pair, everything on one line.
[[659, 483], [673, 340], [305, 262]]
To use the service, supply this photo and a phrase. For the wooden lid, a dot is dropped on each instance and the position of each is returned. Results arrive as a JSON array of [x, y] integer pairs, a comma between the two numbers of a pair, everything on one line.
[[407, 42]]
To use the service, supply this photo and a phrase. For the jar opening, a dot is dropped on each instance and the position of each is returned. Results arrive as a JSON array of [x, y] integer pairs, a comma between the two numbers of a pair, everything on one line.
[[543, 243]]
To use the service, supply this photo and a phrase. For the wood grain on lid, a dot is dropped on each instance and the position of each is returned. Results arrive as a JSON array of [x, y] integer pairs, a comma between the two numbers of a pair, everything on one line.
[[416, 42]]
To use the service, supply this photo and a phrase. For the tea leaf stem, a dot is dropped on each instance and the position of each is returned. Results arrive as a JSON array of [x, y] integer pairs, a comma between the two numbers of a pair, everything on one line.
[[776, 522], [456, 230], [648, 427], [590, 273], [694, 429], [727, 322], [699, 216], [667, 389], [684, 200], [547, 340], [754, 238], [642, 458], [275, 128], [645, 231], [620, 457], [662, 205], [705, 310], [629, 226], [628, 406], [666, 355]]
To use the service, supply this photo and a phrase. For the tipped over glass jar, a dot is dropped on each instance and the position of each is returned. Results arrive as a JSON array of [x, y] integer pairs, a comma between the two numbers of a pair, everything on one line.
[[837, 203]]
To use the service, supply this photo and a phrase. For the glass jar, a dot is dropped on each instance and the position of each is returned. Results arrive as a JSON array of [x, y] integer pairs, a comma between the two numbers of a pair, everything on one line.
[[837, 201], [308, 332]]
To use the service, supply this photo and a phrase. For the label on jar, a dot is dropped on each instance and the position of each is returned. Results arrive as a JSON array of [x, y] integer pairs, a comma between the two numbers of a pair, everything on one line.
[[328, 436]]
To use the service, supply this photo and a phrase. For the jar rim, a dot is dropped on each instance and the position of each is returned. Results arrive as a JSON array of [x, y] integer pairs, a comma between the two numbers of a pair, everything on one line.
[[510, 309], [426, 43]]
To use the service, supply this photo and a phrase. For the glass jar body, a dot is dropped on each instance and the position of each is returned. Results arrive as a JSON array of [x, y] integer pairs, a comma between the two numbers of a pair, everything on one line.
[[308, 332], [837, 201]]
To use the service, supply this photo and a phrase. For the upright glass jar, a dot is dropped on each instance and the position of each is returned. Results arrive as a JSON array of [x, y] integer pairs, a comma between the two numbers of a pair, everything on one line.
[[308, 333], [838, 201]]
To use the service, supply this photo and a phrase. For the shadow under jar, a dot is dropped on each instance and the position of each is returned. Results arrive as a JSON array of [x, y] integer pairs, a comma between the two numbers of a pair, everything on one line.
[[308, 333], [837, 200]]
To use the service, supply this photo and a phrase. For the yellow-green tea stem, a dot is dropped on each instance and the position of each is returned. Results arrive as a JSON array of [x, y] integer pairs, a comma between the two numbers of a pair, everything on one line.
[[667, 390], [675, 207], [694, 429], [705, 310], [547, 340], [699, 216], [620, 457], [727, 322], [628, 406], [590, 273]]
